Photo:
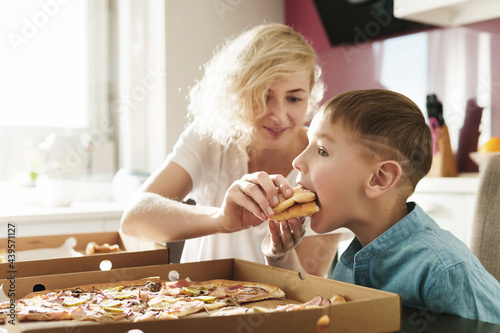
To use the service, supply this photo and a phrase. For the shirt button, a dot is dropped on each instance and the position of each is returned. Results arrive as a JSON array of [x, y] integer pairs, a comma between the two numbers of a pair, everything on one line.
[[363, 279], [366, 254]]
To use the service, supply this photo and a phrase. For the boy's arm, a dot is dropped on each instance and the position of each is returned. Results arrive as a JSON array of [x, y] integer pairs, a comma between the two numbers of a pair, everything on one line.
[[279, 245], [316, 253], [465, 291], [285, 247]]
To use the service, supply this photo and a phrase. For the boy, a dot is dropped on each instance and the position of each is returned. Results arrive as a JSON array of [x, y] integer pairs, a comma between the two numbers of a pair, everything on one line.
[[367, 151]]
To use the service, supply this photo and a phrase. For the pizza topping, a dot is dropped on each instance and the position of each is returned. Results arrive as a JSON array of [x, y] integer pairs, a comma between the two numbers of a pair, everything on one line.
[[53, 295], [57, 300], [78, 291], [146, 316], [177, 284], [78, 311], [192, 291], [155, 301], [132, 303], [112, 309], [183, 308], [110, 303], [98, 298], [231, 301], [170, 291], [73, 301], [230, 290], [205, 298], [318, 300], [152, 286], [250, 293], [123, 295]]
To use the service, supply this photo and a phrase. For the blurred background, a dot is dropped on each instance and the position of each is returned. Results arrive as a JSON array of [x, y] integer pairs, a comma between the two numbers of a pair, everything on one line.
[[93, 92]]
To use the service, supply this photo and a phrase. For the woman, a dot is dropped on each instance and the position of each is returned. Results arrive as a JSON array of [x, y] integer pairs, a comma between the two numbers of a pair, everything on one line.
[[248, 114]]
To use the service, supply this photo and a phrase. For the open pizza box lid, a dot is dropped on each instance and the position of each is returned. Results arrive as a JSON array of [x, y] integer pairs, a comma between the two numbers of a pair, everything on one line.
[[367, 310], [58, 254]]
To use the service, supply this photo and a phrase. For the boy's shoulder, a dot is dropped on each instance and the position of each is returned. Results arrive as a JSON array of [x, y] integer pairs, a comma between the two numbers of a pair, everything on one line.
[[439, 244]]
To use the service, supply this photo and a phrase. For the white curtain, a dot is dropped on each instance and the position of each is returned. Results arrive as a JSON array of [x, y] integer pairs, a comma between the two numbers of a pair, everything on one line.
[[459, 69]]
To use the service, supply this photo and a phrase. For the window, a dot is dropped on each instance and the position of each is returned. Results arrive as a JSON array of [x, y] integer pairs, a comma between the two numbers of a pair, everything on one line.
[[54, 87], [454, 64], [397, 75], [44, 64]]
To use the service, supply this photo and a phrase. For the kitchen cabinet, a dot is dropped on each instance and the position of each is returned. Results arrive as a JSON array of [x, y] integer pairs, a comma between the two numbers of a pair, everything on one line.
[[81, 217], [450, 202], [447, 12]]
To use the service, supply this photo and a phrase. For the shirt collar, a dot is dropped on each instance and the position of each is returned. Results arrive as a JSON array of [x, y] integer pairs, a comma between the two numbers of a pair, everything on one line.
[[393, 236]]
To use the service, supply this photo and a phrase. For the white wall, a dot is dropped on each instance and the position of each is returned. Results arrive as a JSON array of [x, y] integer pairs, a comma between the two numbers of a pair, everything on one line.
[[194, 29]]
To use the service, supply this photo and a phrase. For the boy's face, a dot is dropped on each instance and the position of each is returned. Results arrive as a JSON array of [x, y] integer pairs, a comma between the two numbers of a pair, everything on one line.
[[332, 166]]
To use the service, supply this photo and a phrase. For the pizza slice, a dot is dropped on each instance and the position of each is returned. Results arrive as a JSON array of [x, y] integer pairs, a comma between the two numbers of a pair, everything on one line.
[[94, 302], [227, 290], [93, 248], [302, 203], [316, 302], [169, 309]]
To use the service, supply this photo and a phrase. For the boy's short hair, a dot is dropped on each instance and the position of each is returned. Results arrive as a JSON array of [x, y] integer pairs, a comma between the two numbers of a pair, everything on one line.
[[388, 125]]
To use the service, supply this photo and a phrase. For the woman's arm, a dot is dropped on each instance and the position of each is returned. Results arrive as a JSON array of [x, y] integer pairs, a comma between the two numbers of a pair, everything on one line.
[[157, 214]]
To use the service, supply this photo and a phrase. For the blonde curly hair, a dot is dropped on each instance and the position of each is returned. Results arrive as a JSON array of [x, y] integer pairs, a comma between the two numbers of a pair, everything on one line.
[[236, 80]]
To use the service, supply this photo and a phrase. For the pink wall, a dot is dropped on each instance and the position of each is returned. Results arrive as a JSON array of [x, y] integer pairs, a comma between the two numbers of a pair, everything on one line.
[[352, 67], [344, 67]]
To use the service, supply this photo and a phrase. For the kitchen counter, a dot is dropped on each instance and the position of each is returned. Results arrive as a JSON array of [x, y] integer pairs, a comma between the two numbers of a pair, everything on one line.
[[22, 207], [80, 210], [464, 183], [450, 201], [80, 217]]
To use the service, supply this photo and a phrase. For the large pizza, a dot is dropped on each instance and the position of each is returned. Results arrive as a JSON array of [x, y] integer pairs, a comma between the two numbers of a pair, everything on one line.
[[151, 299]]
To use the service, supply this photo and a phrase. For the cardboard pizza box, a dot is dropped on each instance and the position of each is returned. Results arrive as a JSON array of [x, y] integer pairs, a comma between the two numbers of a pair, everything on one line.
[[367, 310], [56, 258]]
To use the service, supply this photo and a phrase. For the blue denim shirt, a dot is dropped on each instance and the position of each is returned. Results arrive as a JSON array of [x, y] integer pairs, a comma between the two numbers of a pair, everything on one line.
[[429, 267]]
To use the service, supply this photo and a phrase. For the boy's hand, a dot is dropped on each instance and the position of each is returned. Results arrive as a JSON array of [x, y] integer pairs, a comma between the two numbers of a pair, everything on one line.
[[282, 237]]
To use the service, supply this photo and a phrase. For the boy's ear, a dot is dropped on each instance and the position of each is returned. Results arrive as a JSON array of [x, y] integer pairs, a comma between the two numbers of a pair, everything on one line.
[[385, 176]]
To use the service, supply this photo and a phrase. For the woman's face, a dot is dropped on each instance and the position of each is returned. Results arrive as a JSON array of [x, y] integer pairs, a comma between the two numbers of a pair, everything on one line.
[[286, 106]]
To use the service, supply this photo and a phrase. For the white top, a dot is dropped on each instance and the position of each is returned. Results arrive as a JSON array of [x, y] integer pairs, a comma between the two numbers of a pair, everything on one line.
[[213, 169]]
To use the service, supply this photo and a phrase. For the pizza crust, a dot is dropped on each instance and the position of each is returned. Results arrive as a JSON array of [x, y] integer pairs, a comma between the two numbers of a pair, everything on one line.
[[297, 210], [300, 195], [301, 204]]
